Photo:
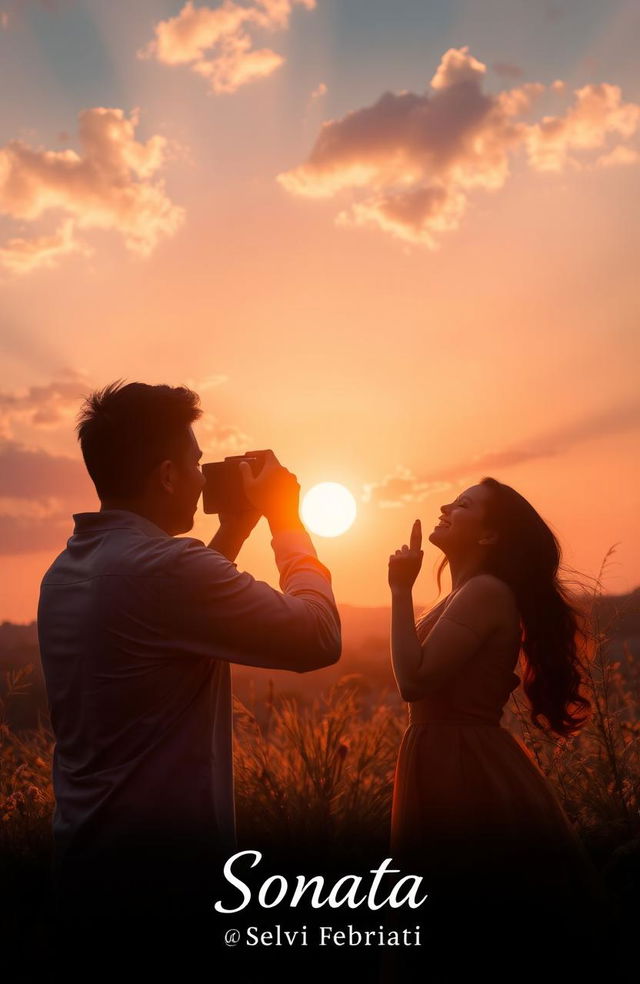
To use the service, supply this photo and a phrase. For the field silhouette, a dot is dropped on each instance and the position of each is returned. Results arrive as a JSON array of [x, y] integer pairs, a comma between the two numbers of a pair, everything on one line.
[[314, 759]]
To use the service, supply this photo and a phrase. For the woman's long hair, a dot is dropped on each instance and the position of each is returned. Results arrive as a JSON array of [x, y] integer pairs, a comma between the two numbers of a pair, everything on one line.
[[527, 556]]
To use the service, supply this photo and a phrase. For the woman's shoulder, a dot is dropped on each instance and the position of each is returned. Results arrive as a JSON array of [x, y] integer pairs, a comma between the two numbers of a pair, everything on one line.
[[480, 589], [487, 582], [485, 588]]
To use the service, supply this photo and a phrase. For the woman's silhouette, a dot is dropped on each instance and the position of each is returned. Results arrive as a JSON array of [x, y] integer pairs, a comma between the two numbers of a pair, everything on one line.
[[471, 810]]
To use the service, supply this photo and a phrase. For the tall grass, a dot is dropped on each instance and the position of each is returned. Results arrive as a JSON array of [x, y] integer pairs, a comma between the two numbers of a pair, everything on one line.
[[26, 793], [324, 773], [316, 775], [597, 771]]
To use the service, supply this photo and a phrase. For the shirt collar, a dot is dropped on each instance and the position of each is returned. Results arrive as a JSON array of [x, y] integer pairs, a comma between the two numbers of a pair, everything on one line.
[[115, 519]]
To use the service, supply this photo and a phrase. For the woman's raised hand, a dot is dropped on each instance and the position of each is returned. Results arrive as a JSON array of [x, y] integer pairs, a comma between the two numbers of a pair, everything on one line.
[[405, 564]]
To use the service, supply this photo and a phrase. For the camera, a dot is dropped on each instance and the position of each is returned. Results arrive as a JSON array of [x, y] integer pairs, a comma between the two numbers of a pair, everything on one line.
[[224, 490]]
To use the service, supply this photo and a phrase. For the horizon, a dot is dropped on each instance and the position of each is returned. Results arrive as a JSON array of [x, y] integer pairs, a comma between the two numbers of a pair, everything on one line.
[[418, 607]]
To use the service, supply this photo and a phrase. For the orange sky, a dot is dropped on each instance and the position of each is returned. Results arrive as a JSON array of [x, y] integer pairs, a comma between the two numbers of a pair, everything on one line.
[[405, 360]]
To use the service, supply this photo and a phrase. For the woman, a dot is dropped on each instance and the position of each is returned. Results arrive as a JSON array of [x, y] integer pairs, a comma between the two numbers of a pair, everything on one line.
[[471, 810]]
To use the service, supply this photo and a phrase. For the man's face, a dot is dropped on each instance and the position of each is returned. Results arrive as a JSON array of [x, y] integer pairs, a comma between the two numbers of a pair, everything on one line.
[[189, 485]]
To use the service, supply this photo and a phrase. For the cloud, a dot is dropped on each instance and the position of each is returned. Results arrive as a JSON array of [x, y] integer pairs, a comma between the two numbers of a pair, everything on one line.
[[216, 44], [34, 474], [611, 420], [221, 439], [38, 494], [399, 488], [34, 534], [39, 491], [507, 70], [402, 487], [56, 404], [111, 184], [316, 96], [597, 113], [410, 162], [24, 255], [206, 382], [44, 407], [619, 155], [457, 66], [560, 440]]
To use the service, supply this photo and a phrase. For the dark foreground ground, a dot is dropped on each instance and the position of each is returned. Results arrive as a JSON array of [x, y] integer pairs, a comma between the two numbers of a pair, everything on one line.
[[134, 932]]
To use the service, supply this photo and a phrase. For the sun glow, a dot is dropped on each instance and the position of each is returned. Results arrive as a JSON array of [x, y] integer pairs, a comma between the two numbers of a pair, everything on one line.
[[328, 509]]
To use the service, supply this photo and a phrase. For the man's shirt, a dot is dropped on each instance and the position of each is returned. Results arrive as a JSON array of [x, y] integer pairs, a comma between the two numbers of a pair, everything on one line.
[[137, 630]]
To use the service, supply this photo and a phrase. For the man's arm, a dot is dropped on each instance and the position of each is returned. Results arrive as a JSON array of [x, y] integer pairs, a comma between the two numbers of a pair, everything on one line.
[[230, 615], [235, 529], [218, 611], [229, 539]]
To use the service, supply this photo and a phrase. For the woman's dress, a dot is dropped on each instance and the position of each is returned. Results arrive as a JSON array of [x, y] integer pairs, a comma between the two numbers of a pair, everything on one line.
[[475, 815]]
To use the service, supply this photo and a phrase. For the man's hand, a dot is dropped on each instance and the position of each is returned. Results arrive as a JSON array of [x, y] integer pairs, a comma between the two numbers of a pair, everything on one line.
[[235, 528], [275, 492], [240, 522]]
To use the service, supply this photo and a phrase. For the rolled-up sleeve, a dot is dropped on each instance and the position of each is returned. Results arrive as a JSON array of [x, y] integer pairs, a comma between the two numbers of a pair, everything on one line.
[[225, 613]]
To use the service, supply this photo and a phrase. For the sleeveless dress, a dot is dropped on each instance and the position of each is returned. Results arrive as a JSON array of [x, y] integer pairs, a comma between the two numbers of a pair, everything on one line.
[[475, 815]]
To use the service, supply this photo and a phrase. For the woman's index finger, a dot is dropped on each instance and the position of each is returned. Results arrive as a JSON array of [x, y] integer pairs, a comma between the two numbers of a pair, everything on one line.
[[416, 536]]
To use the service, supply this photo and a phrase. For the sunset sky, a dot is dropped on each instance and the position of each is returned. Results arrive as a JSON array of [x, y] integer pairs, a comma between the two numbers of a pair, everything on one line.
[[395, 242]]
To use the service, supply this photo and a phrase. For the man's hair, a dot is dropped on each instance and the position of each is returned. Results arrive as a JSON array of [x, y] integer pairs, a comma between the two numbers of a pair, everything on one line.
[[125, 431]]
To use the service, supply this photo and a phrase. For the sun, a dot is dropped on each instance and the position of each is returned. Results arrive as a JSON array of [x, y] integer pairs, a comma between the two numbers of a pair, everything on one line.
[[328, 509]]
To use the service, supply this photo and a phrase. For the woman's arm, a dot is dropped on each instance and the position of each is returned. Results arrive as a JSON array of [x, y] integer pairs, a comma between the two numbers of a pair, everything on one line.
[[404, 567], [406, 653], [469, 619]]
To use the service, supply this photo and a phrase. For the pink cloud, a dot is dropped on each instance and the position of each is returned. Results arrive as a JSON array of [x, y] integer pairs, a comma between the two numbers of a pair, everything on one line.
[[457, 66], [112, 184], [219, 439], [43, 406], [34, 474], [216, 44], [39, 492], [507, 70], [24, 255], [410, 162], [55, 404], [597, 113], [32, 534], [401, 487], [620, 155]]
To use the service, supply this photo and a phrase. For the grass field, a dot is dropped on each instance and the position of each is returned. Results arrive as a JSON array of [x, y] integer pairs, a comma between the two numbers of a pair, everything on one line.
[[322, 773]]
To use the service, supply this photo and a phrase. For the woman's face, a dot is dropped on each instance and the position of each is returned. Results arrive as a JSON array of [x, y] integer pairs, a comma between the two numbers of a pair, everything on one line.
[[462, 522]]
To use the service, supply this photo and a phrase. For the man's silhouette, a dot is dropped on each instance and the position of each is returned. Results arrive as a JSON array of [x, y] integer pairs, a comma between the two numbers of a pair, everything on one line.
[[137, 630]]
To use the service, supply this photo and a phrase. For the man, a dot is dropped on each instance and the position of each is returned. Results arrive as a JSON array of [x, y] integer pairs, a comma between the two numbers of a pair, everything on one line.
[[137, 629]]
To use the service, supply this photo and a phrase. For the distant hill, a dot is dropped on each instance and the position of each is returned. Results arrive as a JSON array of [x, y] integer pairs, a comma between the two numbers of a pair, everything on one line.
[[365, 656]]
